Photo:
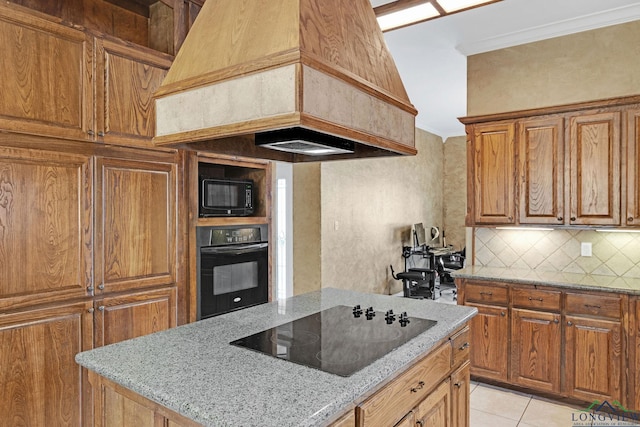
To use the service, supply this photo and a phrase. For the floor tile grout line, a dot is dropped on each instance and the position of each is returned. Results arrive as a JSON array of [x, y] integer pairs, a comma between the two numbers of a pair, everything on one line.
[[525, 410]]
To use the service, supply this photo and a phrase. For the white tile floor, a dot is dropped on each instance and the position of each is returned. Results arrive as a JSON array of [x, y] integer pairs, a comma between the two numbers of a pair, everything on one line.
[[496, 407]]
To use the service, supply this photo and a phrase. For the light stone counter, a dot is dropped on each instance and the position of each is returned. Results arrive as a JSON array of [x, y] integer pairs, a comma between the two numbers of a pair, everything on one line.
[[193, 370], [589, 282]]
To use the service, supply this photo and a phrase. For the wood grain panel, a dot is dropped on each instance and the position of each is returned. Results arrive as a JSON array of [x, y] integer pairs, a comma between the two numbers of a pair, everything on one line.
[[593, 359], [125, 87], [435, 410], [460, 396], [490, 342], [536, 299], [120, 411], [136, 224], [45, 226], [486, 293], [633, 168], [541, 158], [41, 383], [123, 317], [535, 346], [44, 76], [595, 169], [598, 305], [494, 180]]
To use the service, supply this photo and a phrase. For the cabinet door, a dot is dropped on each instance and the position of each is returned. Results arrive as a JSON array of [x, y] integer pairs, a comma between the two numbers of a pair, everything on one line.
[[408, 421], [633, 168], [135, 224], [45, 227], [489, 342], [493, 174], [541, 170], [460, 395], [123, 317], [126, 79], [634, 355], [435, 409], [535, 349], [595, 169], [593, 359], [44, 76], [41, 383]]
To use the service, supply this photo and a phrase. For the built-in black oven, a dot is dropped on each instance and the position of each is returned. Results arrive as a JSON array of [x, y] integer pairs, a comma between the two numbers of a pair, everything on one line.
[[233, 268]]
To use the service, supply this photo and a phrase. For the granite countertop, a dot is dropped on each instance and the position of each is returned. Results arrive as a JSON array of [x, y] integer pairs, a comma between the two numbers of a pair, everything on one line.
[[193, 370], [589, 282]]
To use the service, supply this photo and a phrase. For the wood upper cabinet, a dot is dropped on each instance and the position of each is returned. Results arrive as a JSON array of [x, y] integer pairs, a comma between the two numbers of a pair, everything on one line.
[[45, 226], [136, 218], [594, 153], [45, 76], [41, 383], [633, 168], [535, 349], [541, 171], [132, 315], [493, 181], [126, 79]]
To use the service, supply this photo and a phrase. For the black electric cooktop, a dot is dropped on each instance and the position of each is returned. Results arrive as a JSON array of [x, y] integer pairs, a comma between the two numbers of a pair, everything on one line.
[[340, 340]]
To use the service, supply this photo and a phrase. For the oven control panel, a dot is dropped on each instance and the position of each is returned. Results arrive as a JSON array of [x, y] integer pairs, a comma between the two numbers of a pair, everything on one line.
[[230, 236]]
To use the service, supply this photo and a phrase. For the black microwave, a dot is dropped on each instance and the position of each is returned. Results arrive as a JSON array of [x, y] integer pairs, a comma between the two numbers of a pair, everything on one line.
[[225, 197]]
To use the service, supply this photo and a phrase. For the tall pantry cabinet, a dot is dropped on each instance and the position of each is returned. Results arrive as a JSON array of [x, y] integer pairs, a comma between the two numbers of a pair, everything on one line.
[[92, 223]]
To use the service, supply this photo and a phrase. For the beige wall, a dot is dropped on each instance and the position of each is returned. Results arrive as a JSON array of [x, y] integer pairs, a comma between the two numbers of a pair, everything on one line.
[[455, 190], [366, 209], [586, 66], [591, 65]]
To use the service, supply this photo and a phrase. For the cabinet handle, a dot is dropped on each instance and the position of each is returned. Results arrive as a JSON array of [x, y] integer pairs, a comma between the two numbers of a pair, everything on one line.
[[90, 310], [592, 306], [465, 345], [101, 308], [91, 132], [535, 299], [101, 286], [569, 323], [502, 313], [556, 321], [573, 218], [630, 219], [457, 384], [560, 218], [486, 293], [510, 218], [90, 288], [419, 387], [100, 133]]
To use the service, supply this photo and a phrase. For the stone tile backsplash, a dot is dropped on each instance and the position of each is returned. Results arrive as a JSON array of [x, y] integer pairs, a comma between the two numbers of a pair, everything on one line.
[[614, 254]]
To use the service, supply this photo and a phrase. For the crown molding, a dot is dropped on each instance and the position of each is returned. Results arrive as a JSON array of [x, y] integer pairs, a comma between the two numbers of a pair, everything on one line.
[[565, 27]]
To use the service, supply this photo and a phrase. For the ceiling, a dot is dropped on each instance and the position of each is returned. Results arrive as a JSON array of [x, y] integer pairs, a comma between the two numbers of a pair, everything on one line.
[[431, 56]]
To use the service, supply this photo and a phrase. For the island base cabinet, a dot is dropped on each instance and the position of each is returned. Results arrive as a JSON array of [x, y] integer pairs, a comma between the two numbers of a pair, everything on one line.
[[116, 406], [460, 396], [435, 410]]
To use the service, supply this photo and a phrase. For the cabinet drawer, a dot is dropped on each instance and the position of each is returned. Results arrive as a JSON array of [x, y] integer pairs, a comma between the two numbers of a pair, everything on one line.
[[594, 305], [536, 299], [390, 404], [460, 347], [485, 293]]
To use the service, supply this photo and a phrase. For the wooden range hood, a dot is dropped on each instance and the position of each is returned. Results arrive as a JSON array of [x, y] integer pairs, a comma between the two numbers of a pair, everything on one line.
[[253, 66]]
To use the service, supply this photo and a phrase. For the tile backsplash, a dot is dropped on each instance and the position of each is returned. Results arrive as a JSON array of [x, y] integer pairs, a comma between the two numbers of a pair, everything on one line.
[[613, 254]]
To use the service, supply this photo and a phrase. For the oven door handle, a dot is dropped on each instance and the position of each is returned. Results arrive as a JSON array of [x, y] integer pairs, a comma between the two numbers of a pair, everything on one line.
[[234, 250]]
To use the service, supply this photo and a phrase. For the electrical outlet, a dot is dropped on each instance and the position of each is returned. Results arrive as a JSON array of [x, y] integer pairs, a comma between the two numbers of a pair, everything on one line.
[[585, 249]]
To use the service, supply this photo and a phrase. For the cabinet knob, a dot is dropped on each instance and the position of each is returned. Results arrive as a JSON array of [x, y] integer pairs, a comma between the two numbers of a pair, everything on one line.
[[91, 132], [90, 310], [419, 423], [100, 133], [560, 218], [502, 313], [90, 288], [556, 321], [573, 218], [101, 286], [457, 384], [101, 308], [510, 218], [569, 323], [464, 346], [630, 219]]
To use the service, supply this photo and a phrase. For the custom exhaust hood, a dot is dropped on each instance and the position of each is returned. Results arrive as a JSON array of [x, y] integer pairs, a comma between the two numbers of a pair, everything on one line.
[[290, 80]]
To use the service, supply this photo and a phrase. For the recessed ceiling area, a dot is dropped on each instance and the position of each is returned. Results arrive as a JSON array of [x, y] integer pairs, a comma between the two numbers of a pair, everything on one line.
[[432, 56]]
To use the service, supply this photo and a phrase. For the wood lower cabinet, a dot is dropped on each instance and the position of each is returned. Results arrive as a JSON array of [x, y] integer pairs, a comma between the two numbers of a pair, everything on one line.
[[41, 383], [132, 315], [460, 396], [535, 346], [435, 409], [570, 344]]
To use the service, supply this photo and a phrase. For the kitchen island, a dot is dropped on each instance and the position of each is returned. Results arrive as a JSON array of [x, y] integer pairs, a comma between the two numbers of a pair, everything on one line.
[[193, 372]]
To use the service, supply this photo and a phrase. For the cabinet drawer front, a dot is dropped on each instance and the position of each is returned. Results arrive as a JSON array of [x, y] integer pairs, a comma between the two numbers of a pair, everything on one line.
[[486, 293], [389, 405], [460, 346], [595, 305], [536, 299]]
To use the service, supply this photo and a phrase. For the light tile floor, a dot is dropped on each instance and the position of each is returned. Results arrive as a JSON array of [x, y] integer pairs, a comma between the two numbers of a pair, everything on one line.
[[496, 407]]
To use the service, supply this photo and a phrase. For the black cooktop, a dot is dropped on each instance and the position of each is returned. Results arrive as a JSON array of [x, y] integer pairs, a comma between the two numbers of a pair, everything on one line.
[[340, 340]]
